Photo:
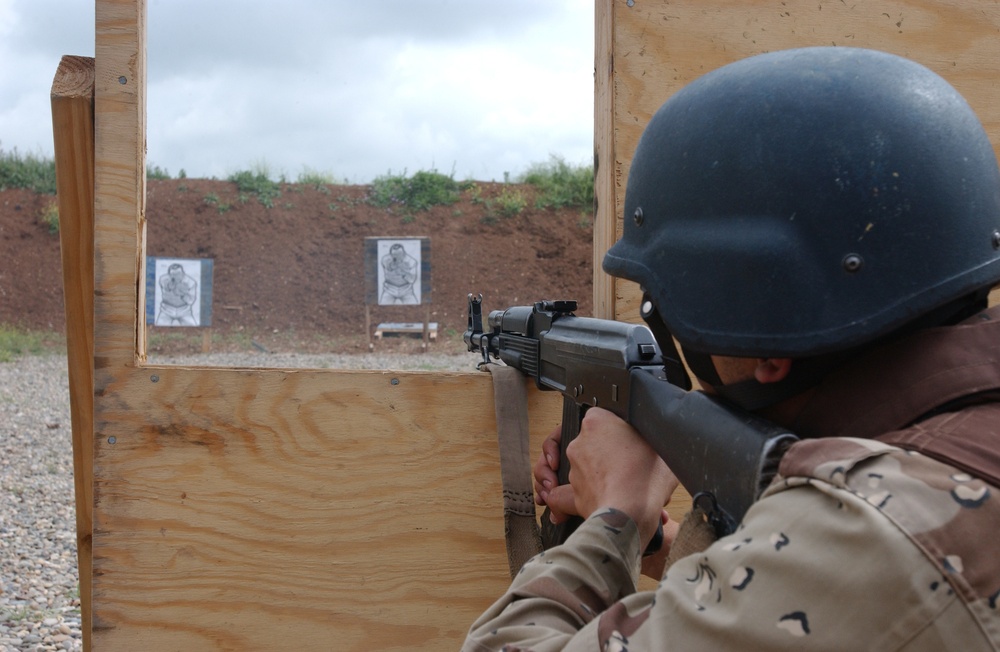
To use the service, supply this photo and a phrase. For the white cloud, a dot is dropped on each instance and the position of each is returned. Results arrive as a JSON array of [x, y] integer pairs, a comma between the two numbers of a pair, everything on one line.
[[8, 17], [350, 88]]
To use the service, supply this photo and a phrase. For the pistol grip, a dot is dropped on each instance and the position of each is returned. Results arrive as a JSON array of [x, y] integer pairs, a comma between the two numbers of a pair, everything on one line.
[[552, 534]]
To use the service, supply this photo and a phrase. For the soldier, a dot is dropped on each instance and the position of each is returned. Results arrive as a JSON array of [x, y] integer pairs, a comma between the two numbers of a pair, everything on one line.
[[819, 229]]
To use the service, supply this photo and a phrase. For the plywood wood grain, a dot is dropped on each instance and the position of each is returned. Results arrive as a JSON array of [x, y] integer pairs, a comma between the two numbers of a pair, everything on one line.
[[268, 509], [352, 511], [72, 98], [119, 183], [606, 194]]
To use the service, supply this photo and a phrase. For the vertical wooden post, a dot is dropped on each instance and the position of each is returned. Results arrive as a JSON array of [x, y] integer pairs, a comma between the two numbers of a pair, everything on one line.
[[72, 99], [120, 187], [368, 327], [605, 166], [427, 324], [119, 226]]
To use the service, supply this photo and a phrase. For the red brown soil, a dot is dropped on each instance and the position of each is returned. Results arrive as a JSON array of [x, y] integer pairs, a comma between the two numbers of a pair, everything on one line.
[[291, 277]]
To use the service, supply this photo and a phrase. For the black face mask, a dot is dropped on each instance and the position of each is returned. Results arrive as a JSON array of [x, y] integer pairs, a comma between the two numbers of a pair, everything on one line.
[[749, 394], [752, 395]]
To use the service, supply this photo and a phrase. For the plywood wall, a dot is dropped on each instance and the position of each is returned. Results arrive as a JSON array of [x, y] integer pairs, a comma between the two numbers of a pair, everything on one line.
[[266, 509], [247, 509]]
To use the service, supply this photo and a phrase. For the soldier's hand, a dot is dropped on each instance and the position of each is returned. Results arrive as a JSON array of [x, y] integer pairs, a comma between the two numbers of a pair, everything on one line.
[[548, 492], [611, 465]]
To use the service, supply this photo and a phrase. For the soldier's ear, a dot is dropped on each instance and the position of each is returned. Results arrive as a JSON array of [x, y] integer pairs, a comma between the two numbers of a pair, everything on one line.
[[772, 370]]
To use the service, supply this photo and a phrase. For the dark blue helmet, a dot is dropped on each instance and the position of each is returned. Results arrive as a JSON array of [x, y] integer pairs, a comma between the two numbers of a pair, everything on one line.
[[809, 201]]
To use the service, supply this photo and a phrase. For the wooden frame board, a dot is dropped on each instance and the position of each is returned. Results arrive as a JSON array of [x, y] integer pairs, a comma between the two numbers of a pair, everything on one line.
[[72, 98], [263, 508]]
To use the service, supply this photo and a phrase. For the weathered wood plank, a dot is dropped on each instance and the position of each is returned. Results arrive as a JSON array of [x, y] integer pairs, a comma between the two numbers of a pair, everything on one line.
[[120, 183], [240, 509], [72, 98], [606, 196]]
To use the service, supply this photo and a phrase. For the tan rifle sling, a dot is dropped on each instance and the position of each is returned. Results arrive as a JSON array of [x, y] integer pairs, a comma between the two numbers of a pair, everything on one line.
[[521, 533]]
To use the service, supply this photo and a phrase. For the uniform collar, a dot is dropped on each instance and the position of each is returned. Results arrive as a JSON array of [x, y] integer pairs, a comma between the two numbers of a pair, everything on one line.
[[895, 385]]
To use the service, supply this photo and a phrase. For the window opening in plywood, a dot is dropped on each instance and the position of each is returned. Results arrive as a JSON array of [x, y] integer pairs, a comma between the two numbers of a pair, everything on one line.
[[280, 142]]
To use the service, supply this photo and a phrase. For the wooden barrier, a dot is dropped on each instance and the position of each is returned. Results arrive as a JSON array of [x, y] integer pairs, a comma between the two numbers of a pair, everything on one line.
[[262, 509], [72, 99]]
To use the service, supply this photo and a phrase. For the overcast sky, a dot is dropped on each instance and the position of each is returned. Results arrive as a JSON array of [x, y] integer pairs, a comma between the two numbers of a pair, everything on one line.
[[348, 88]]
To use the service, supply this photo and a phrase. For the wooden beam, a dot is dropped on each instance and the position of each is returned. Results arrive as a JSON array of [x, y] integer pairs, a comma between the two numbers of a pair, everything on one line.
[[606, 196], [72, 98], [120, 185]]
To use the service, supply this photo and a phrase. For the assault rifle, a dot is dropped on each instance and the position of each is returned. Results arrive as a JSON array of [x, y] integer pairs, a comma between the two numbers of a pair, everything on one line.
[[723, 456]]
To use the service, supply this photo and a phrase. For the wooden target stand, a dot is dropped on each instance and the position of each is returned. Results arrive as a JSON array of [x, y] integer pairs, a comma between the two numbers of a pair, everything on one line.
[[427, 329]]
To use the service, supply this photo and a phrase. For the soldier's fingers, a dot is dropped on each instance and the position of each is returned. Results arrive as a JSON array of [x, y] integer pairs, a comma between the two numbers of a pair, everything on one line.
[[545, 478], [561, 503], [550, 448]]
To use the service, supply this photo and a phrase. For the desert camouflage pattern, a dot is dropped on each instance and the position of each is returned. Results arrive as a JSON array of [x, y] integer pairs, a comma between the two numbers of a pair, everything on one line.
[[857, 545], [865, 549]]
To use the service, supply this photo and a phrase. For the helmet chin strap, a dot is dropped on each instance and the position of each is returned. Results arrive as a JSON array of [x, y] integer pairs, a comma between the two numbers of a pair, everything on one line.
[[673, 365], [748, 394]]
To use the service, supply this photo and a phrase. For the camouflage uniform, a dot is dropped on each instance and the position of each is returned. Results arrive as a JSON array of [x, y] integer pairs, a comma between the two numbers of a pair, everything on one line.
[[878, 536]]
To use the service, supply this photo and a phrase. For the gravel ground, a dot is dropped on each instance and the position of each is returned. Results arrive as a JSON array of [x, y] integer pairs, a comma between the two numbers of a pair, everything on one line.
[[39, 590]]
